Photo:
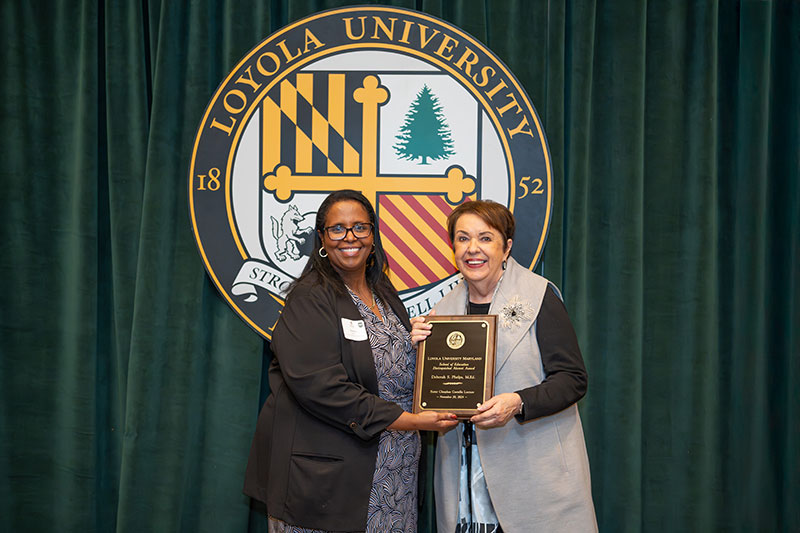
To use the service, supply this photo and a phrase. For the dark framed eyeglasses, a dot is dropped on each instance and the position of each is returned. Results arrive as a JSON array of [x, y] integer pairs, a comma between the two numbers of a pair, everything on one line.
[[339, 232]]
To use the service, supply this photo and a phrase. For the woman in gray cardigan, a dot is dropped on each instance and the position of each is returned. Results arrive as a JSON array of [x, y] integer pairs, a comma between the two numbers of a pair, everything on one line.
[[520, 464]]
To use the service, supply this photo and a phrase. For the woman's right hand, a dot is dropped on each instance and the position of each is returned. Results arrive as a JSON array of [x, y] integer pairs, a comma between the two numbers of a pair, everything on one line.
[[425, 421], [435, 421], [420, 328]]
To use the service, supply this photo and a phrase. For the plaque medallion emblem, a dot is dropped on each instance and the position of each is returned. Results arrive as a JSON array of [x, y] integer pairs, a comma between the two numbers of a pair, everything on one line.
[[455, 340], [408, 109]]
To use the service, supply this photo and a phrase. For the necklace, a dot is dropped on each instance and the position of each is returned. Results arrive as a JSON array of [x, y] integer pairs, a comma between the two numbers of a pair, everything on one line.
[[372, 307], [374, 303]]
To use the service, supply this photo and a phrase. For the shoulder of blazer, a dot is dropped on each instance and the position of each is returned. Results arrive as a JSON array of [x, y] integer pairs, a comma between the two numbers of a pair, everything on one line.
[[312, 285], [519, 281], [519, 275], [330, 302]]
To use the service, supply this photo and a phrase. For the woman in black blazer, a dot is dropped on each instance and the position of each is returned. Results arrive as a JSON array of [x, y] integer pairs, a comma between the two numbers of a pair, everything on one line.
[[335, 448]]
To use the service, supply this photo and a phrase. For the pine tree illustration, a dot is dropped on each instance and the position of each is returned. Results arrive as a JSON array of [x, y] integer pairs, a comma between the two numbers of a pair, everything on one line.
[[425, 133]]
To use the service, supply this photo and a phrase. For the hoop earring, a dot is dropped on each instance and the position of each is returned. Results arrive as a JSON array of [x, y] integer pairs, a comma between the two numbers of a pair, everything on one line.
[[505, 264], [322, 249]]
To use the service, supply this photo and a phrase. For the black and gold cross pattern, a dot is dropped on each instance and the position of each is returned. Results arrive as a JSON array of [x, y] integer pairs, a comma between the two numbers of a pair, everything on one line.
[[307, 124], [285, 181]]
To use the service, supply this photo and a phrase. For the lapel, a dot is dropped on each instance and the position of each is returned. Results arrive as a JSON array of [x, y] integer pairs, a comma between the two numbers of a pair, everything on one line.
[[519, 285]]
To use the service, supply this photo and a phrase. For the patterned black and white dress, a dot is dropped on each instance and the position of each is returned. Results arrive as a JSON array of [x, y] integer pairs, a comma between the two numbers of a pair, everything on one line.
[[393, 498]]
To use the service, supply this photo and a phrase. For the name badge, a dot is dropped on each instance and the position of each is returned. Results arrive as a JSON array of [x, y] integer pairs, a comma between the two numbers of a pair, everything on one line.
[[354, 330]]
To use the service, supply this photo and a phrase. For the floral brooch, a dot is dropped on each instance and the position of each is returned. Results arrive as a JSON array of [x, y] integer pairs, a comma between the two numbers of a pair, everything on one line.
[[515, 312]]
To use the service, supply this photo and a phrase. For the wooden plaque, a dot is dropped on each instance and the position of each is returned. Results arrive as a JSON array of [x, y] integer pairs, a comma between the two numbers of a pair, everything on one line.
[[455, 364]]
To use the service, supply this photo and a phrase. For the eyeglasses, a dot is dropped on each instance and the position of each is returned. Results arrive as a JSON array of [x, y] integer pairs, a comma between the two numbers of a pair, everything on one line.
[[339, 232]]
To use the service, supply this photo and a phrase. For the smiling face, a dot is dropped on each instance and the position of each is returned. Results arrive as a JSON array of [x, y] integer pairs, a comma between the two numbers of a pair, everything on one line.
[[479, 252], [348, 256]]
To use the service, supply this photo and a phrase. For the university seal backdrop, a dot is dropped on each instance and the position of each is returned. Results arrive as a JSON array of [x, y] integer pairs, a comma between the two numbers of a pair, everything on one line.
[[406, 108]]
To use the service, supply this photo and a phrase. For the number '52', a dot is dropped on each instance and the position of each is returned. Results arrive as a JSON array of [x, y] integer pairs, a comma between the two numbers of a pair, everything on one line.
[[536, 184]]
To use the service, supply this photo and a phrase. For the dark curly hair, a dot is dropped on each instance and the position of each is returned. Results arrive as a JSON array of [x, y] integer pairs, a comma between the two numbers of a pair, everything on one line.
[[377, 267]]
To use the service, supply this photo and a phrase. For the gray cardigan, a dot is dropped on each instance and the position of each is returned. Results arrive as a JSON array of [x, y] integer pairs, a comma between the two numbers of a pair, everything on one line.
[[537, 472]]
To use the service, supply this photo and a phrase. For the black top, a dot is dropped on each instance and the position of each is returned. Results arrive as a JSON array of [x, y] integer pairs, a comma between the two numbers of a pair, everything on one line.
[[478, 309], [565, 374]]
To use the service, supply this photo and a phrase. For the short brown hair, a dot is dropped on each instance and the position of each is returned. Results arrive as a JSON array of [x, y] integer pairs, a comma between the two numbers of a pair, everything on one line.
[[494, 214]]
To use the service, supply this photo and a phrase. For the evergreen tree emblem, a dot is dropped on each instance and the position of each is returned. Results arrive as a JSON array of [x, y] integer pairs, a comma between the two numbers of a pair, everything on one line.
[[425, 133]]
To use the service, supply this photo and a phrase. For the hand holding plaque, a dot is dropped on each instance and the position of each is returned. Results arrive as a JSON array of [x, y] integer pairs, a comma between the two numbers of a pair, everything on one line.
[[455, 364]]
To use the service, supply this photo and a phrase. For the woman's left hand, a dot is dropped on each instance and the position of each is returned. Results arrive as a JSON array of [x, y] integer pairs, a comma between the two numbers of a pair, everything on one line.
[[497, 410]]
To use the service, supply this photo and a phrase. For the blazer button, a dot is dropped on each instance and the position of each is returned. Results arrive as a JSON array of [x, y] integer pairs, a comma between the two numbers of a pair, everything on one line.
[[353, 425]]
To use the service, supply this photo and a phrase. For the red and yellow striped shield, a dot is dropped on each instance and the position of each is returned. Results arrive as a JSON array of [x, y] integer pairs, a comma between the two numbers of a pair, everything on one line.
[[414, 234]]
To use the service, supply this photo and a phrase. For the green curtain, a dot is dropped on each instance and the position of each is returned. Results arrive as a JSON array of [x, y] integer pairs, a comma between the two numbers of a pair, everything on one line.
[[130, 390]]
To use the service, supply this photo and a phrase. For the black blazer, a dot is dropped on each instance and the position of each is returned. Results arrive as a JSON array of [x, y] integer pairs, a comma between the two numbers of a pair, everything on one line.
[[313, 454]]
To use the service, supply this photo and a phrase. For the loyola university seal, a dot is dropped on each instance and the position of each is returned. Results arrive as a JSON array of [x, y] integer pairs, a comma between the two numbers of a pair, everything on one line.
[[406, 108]]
